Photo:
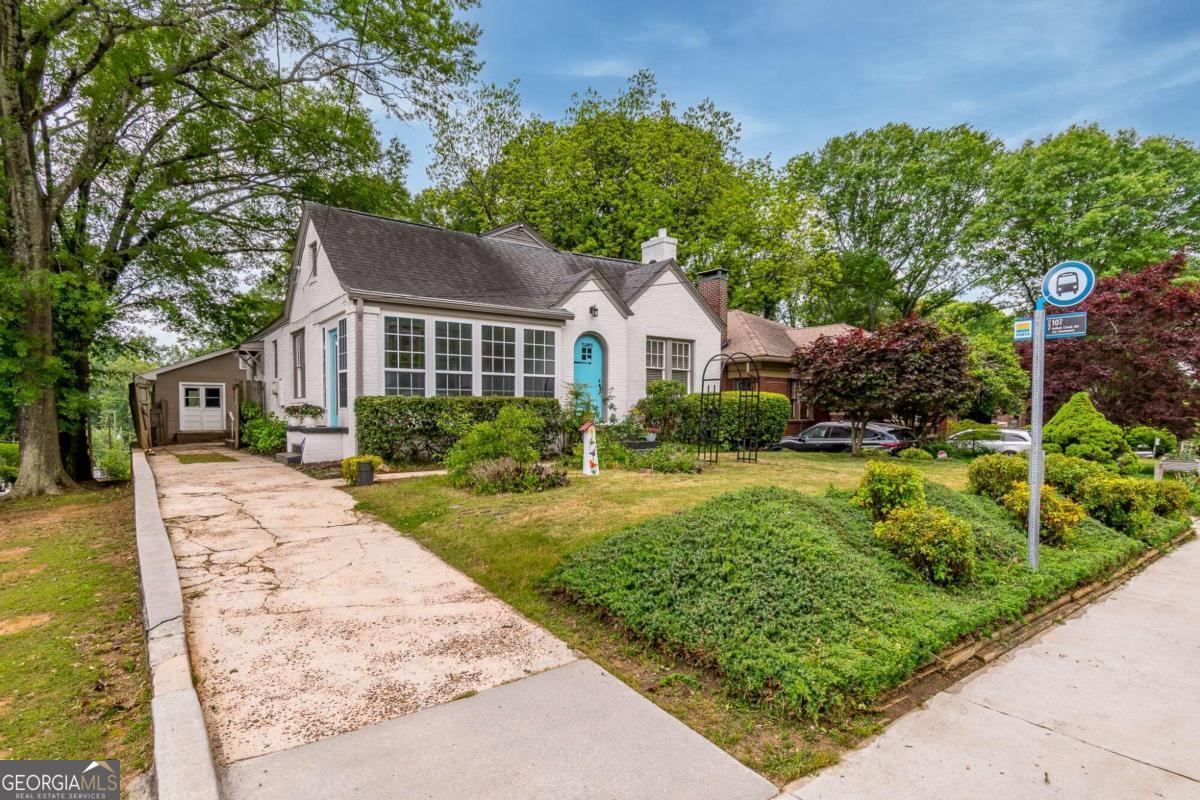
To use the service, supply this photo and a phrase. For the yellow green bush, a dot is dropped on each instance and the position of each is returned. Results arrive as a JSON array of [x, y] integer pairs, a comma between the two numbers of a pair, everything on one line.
[[1124, 504], [933, 541], [994, 476], [1059, 515], [886, 485]]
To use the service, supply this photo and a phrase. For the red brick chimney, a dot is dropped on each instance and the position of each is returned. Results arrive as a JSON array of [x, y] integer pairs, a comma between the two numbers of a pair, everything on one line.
[[713, 286]]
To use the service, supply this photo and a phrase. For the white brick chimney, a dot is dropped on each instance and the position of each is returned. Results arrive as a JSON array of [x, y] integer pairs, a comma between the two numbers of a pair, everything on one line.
[[660, 248]]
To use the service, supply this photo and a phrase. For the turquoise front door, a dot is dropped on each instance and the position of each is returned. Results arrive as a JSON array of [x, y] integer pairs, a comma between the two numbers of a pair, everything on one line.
[[331, 380], [589, 370]]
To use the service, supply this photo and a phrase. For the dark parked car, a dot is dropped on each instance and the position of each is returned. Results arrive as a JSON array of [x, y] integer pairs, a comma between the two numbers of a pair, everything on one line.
[[834, 437]]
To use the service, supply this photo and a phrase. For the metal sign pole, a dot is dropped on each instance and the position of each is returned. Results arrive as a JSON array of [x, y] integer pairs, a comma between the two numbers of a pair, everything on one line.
[[1035, 449]]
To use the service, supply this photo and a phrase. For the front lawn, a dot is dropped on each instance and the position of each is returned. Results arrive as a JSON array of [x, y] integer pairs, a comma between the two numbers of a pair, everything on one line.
[[795, 601], [509, 542], [73, 680], [739, 615]]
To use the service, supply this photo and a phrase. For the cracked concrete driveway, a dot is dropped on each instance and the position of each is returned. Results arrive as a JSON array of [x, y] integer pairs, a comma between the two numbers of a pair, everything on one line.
[[306, 620]]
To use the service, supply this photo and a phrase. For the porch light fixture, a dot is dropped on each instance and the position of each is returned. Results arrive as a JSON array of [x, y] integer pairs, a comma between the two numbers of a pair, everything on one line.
[[594, 311]]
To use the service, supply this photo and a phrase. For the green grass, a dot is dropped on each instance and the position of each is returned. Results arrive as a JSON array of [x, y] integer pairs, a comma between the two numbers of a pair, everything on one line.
[[510, 543], [202, 458], [796, 603], [73, 681], [507, 543]]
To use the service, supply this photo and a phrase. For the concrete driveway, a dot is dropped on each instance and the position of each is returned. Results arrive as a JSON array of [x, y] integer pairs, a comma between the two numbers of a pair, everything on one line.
[[328, 648], [306, 620], [1106, 705]]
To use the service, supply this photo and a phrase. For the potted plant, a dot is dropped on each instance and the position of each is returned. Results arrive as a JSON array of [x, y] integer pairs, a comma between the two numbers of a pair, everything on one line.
[[651, 433], [302, 413]]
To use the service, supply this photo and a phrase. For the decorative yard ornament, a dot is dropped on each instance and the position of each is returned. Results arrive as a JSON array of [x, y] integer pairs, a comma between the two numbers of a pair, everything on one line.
[[591, 458]]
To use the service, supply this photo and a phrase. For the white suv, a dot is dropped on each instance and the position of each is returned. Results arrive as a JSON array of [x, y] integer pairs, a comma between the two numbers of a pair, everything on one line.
[[1007, 441]]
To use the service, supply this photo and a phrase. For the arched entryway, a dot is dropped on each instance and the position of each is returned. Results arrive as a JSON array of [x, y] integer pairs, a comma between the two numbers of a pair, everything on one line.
[[589, 369]]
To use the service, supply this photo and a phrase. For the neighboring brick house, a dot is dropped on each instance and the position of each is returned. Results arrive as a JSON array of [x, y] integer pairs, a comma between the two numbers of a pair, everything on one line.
[[768, 344], [381, 306]]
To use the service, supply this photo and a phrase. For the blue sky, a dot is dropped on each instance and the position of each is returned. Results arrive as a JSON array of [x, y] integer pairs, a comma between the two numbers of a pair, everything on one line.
[[796, 73]]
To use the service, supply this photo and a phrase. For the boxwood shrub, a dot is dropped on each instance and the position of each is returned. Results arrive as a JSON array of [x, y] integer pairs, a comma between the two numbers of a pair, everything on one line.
[[1067, 473], [994, 476], [886, 486], [934, 542], [1059, 516], [1124, 504], [425, 428], [774, 410]]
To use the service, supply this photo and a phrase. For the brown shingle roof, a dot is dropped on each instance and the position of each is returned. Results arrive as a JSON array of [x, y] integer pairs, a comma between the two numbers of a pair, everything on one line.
[[767, 340]]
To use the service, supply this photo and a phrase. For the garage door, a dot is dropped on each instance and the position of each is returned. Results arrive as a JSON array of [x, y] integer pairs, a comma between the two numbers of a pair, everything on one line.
[[202, 407]]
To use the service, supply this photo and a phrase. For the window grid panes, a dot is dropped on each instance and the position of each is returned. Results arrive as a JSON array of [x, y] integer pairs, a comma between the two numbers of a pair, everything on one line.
[[656, 359], [404, 356], [539, 363], [342, 376], [191, 397], [498, 360], [681, 363], [212, 397], [452, 358]]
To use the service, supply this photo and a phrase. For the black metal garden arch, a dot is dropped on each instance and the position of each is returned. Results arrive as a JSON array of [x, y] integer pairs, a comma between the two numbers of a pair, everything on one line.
[[747, 388]]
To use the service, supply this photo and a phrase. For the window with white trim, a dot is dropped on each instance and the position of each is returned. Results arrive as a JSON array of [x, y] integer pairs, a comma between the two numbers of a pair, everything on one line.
[[342, 372], [298, 364], [452, 358], [681, 363], [404, 356], [679, 366], [539, 363], [498, 360]]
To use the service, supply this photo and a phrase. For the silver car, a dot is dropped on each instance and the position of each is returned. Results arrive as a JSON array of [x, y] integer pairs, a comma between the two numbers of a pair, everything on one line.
[[1007, 441]]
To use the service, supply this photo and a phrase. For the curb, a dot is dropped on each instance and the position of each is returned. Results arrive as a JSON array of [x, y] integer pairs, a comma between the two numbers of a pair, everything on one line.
[[183, 762]]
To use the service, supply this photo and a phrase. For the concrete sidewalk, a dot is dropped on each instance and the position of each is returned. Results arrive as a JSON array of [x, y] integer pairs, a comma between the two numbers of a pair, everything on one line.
[[1106, 705]]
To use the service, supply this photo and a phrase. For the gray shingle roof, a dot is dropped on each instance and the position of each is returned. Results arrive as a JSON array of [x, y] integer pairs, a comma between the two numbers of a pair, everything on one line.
[[381, 255]]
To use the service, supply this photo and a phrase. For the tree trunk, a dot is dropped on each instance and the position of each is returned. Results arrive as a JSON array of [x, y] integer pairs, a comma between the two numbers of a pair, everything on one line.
[[41, 470], [857, 430], [75, 441]]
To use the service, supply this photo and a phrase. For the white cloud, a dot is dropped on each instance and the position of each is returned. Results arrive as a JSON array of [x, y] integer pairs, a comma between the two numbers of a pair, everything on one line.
[[670, 34], [603, 68]]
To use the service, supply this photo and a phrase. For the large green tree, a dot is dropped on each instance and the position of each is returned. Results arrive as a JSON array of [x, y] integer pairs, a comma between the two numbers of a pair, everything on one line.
[[897, 199], [600, 180], [157, 150], [1117, 201]]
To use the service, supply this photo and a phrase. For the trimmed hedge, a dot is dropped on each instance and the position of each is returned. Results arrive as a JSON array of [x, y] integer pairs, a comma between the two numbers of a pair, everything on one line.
[[1058, 515], [425, 428], [1123, 504], [774, 410]]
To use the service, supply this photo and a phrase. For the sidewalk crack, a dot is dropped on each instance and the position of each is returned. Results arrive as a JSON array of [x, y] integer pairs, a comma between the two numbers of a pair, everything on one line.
[[1081, 741]]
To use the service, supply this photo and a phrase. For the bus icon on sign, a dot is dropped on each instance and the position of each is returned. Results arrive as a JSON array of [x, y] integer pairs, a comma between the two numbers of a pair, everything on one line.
[[1067, 283]]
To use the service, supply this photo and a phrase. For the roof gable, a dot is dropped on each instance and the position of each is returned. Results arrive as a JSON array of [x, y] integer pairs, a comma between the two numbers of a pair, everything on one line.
[[519, 233]]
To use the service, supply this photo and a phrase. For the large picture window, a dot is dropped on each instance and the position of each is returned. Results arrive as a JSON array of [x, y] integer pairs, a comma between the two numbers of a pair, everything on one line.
[[539, 363], [452, 358], [298, 364], [404, 356], [669, 359], [498, 360]]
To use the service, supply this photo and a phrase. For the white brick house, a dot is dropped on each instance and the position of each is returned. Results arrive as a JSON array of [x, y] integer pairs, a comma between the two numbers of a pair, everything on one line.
[[379, 306]]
